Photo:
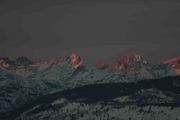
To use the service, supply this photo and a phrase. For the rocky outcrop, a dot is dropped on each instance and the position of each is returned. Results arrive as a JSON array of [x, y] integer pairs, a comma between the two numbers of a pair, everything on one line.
[[174, 63], [5, 65], [76, 60], [124, 63]]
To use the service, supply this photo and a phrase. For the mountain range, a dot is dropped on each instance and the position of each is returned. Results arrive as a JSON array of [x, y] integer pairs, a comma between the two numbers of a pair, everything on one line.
[[23, 81], [127, 63]]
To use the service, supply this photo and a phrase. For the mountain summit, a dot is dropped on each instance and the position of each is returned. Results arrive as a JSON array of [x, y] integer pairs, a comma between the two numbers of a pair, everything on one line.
[[125, 63], [174, 63], [4, 64], [76, 60]]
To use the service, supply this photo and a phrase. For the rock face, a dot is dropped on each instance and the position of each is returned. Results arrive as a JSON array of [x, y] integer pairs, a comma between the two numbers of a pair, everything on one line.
[[174, 63], [4, 64], [125, 63], [76, 60]]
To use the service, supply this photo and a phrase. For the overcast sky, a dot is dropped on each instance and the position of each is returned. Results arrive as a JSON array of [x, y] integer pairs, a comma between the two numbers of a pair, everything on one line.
[[94, 29]]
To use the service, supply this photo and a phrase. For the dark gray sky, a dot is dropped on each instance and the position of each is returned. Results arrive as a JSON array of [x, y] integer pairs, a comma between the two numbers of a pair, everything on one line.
[[94, 29]]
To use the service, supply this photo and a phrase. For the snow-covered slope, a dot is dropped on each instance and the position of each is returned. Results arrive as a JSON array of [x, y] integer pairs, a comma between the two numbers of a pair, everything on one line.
[[157, 99]]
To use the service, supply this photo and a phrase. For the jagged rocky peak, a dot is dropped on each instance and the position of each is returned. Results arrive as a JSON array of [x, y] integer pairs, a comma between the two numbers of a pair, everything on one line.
[[5, 63], [76, 60], [7, 60], [174, 63], [123, 63], [25, 63], [132, 57]]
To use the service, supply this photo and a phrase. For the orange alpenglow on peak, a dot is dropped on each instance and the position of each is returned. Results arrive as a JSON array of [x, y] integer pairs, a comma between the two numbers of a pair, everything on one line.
[[76, 60], [132, 57], [122, 63], [174, 63], [5, 65]]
